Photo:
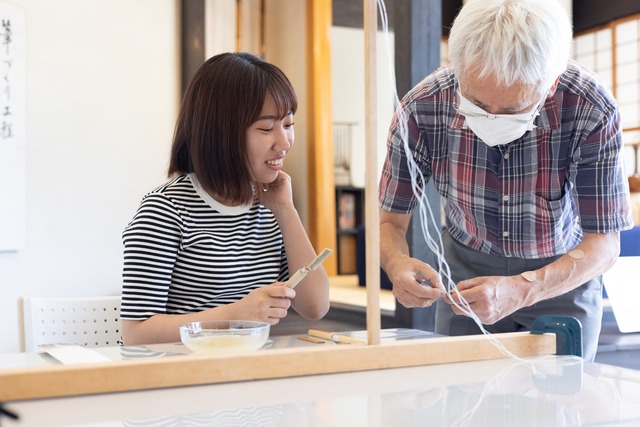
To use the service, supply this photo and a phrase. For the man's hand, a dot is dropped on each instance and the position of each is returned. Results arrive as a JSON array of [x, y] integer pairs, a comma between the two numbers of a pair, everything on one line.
[[491, 298], [415, 284]]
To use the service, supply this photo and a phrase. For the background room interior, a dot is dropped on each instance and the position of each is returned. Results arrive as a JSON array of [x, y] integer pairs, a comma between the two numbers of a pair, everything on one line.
[[103, 85]]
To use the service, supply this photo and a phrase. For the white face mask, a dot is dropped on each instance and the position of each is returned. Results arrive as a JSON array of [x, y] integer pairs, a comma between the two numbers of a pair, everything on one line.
[[497, 129]]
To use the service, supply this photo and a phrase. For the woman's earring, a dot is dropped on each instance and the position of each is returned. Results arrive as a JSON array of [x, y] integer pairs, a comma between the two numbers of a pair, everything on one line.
[[265, 187]]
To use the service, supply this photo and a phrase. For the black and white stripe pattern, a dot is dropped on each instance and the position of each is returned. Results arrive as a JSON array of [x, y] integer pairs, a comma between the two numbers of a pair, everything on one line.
[[184, 252]]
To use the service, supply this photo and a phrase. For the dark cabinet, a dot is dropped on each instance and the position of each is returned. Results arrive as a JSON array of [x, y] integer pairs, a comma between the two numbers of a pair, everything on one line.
[[349, 216]]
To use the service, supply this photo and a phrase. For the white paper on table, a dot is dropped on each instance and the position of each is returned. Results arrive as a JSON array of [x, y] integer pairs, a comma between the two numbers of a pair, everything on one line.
[[73, 354], [622, 283]]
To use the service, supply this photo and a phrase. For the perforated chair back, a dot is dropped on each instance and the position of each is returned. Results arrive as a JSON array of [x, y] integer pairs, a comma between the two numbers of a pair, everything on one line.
[[86, 321]]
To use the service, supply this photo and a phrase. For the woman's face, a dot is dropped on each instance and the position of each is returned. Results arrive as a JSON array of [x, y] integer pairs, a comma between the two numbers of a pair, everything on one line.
[[269, 139]]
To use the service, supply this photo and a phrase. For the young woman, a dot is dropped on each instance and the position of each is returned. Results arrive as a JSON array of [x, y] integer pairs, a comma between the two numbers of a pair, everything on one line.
[[218, 240]]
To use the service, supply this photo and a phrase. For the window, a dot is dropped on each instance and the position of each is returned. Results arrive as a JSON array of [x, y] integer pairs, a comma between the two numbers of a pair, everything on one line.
[[613, 52]]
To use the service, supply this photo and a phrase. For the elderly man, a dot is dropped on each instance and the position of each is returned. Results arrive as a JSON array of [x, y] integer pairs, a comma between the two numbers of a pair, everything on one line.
[[523, 146]]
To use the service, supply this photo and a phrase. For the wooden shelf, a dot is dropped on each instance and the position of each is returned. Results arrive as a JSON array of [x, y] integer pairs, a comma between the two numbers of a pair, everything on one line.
[[349, 216]]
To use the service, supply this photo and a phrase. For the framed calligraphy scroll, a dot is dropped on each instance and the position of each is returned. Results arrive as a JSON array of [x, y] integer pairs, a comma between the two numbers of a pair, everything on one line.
[[13, 141]]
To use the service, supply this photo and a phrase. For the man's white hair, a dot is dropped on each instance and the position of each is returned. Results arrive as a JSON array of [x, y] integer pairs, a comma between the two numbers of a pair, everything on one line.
[[517, 41]]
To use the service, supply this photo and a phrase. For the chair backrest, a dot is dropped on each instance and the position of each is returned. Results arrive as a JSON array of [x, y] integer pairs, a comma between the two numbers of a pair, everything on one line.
[[629, 246], [86, 321], [630, 242]]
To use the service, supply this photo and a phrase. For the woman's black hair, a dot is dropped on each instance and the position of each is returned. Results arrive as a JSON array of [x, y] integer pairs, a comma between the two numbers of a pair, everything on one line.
[[224, 98]]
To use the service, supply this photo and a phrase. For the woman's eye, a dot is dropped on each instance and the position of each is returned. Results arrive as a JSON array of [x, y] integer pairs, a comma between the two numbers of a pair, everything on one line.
[[289, 125], [265, 130]]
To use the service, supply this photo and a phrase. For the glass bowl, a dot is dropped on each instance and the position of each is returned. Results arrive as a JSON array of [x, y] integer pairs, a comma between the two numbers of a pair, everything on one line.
[[224, 336]]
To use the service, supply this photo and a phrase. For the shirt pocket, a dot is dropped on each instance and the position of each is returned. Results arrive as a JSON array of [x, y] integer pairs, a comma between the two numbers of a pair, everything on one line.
[[553, 220]]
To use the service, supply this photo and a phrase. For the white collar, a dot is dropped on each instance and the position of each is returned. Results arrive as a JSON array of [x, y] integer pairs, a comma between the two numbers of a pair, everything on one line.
[[220, 207]]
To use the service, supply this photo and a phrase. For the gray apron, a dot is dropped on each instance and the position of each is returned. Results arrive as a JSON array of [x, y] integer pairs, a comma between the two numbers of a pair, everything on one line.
[[583, 303]]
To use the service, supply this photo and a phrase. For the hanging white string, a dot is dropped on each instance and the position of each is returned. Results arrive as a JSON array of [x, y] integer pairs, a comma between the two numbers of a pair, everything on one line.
[[424, 211]]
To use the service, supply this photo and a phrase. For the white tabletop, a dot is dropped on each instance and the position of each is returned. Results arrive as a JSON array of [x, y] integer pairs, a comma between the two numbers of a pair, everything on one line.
[[541, 391], [117, 353], [545, 391]]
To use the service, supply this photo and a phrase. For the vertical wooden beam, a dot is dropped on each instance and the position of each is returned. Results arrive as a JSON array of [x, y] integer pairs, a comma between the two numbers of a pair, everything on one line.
[[322, 209], [614, 57], [191, 39], [238, 25], [263, 19], [372, 221]]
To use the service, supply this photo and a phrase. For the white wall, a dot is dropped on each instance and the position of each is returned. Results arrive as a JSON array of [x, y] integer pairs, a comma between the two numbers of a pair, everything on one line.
[[102, 98], [347, 73], [219, 27]]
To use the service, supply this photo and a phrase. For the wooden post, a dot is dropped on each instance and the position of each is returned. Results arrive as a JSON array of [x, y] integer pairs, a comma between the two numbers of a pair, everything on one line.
[[192, 54], [372, 222], [321, 187]]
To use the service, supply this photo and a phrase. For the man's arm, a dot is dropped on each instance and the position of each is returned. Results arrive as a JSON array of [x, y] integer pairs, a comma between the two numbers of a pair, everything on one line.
[[592, 257], [494, 297]]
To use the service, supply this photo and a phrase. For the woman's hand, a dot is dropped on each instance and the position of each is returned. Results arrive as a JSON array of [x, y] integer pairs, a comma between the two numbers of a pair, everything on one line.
[[312, 294], [279, 194], [266, 304]]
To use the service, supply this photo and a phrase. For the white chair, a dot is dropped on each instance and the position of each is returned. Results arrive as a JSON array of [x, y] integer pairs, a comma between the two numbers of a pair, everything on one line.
[[86, 321]]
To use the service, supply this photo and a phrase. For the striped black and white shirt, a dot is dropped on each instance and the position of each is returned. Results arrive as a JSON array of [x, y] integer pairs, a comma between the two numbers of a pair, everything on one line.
[[185, 252]]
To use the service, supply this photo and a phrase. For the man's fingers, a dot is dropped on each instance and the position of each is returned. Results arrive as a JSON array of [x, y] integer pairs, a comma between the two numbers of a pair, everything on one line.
[[417, 295]]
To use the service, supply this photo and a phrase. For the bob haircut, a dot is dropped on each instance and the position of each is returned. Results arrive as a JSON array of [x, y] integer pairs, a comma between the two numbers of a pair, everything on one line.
[[518, 41], [224, 98]]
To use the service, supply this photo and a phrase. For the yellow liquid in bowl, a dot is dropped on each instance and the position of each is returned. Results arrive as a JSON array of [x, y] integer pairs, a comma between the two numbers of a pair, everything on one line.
[[225, 343]]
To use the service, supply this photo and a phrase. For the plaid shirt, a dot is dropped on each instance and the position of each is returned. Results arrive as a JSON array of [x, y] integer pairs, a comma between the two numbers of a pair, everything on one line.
[[531, 198]]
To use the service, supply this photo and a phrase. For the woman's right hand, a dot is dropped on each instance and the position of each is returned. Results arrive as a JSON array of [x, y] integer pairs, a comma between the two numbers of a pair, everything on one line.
[[266, 304]]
